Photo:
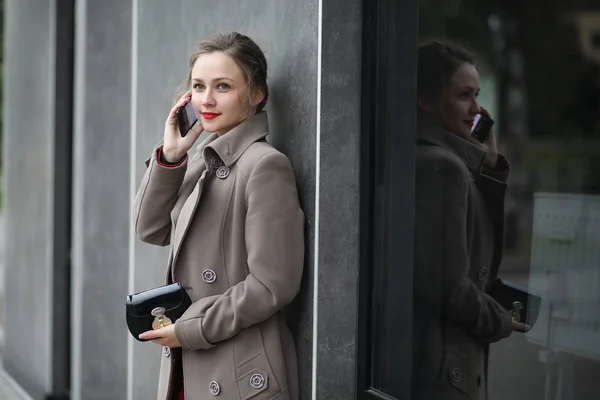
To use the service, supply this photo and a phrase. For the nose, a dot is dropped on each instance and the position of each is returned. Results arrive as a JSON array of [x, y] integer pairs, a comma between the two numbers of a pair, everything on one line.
[[475, 108], [208, 99]]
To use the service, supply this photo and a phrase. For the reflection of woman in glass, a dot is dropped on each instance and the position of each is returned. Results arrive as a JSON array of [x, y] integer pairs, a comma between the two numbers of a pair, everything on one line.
[[460, 186]]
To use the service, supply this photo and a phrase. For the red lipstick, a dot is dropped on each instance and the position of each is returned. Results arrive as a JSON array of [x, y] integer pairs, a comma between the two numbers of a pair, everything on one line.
[[209, 115]]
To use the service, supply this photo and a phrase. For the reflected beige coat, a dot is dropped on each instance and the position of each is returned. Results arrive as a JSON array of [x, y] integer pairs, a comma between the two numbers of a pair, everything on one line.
[[459, 228], [235, 228]]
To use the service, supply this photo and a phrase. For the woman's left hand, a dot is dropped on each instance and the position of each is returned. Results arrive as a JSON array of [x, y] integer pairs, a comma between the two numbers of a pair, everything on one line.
[[491, 158], [163, 336]]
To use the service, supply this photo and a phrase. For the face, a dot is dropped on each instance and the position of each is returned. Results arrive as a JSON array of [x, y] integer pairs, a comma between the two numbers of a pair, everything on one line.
[[219, 93], [457, 105]]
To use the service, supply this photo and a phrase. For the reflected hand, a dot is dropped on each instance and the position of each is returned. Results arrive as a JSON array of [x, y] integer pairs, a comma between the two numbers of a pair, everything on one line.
[[175, 147], [163, 336], [520, 326]]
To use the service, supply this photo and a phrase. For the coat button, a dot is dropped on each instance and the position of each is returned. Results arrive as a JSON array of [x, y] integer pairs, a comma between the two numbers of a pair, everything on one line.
[[209, 276], [214, 388], [167, 351], [482, 274], [223, 172], [471, 177], [257, 381], [456, 375], [215, 162]]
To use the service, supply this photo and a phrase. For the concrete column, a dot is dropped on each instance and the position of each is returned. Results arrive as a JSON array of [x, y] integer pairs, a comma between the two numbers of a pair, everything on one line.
[[338, 200], [28, 162], [165, 36], [101, 209]]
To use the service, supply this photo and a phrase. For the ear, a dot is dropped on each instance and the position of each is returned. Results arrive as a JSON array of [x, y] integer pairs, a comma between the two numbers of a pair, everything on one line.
[[259, 95]]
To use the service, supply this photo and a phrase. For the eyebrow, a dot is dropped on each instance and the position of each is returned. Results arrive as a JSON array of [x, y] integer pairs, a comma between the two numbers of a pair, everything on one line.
[[214, 80], [470, 88]]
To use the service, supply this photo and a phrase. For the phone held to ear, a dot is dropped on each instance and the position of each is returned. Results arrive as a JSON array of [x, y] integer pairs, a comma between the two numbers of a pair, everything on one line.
[[186, 118], [482, 126]]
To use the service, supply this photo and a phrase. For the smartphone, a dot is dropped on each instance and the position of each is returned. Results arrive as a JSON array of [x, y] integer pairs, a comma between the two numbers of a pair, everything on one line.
[[186, 118], [482, 126]]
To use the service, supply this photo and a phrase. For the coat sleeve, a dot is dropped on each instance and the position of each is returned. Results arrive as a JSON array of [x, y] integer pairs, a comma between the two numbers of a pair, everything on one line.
[[274, 236], [155, 200], [500, 171], [441, 256]]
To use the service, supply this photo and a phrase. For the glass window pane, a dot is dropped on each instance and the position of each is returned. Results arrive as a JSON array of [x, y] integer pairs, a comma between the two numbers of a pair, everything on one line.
[[533, 221]]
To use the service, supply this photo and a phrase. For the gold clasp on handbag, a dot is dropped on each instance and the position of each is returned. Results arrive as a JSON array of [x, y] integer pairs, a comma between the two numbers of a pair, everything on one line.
[[517, 307], [160, 319]]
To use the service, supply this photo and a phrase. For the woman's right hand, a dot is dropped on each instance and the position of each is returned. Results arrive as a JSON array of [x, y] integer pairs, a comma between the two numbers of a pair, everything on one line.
[[175, 147]]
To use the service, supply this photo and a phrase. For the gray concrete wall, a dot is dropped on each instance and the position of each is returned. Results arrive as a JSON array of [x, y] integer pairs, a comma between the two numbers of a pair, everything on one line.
[[28, 121], [338, 240], [166, 36], [101, 206], [130, 58]]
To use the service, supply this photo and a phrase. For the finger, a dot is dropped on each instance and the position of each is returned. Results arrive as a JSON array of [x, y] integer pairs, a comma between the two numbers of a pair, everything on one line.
[[186, 95], [524, 327], [485, 112], [195, 132], [150, 335], [520, 326], [489, 140], [182, 102]]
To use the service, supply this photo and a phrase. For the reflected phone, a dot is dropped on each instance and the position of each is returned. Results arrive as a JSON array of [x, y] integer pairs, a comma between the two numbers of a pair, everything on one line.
[[482, 126], [186, 118]]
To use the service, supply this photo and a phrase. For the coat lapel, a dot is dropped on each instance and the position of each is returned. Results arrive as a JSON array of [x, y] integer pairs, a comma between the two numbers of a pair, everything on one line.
[[234, 143], [470, 154], [229, 149], [185, 216]]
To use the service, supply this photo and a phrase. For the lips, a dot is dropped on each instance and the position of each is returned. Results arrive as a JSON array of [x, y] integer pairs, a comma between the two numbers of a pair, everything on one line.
[[209, 115], [470, 123]]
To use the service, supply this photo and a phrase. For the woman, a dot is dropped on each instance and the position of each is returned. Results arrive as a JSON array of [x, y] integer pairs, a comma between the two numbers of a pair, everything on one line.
[[235, 228], [460, 186]]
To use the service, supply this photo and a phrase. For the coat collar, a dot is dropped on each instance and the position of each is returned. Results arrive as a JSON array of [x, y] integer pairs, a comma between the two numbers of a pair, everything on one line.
[[234, 143], [468, 152]]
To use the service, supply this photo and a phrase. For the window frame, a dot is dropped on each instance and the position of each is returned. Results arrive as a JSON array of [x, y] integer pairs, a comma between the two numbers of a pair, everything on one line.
[[389, 65]]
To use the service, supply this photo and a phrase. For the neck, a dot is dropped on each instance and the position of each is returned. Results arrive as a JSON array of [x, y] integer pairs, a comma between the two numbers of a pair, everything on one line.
[[427, 120]]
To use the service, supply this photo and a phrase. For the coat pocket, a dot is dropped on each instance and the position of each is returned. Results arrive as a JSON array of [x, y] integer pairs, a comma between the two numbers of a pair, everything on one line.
[[458, 370], [252, 383]]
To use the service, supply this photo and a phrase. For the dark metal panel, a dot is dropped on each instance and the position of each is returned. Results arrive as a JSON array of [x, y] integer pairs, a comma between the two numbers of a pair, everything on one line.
[[63, 138], [390, 39]]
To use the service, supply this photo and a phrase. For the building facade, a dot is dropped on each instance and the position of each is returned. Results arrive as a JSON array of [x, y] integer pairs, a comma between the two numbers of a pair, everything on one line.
[[87, 85]]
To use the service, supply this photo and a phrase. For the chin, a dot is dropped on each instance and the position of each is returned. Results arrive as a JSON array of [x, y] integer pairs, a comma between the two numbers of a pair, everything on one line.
[[210, 127]]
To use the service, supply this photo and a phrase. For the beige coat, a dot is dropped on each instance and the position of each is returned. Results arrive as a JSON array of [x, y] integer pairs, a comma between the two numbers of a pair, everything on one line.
[[236, 232], [459, 224]]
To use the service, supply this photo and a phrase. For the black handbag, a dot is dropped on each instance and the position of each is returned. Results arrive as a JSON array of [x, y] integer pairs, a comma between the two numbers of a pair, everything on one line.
[[155, 308], [524, 303]]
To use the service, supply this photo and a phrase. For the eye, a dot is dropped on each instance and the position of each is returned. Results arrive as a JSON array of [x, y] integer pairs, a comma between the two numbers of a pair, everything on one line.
[[223, 86], [198, 86], [464, 95]]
